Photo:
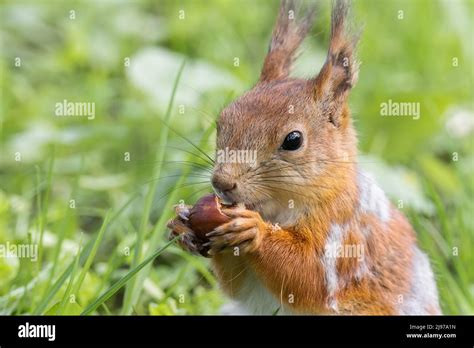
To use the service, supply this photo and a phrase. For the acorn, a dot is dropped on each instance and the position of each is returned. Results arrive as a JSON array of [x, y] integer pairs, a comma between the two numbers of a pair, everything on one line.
[[206, 215]]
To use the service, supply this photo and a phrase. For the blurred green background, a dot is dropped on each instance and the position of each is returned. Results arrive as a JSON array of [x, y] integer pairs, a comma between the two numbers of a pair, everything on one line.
[[95, 195]]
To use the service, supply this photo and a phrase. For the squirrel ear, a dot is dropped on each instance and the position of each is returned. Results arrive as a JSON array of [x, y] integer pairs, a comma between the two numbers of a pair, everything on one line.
[[340, 71], [287, 35]]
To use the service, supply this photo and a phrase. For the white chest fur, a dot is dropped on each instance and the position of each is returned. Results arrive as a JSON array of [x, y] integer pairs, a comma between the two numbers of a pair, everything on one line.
[[254, 299], [423, 296]]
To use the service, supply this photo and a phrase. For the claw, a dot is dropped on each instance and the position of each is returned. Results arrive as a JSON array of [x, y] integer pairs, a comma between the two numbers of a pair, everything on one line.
[[212, 233], [182, 211], [183, 216]]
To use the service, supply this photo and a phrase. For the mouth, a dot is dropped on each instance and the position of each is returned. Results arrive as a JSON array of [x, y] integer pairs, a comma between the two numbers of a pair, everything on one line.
[[229, 200], [224, 198]]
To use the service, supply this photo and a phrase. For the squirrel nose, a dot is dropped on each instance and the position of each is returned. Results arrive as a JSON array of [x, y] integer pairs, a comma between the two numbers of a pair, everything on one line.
[[222, 184]]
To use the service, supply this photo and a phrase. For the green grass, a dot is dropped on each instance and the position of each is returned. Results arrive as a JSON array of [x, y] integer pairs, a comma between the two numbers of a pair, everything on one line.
[[449, 241], [99, 220], [163, 136], [73, 277]]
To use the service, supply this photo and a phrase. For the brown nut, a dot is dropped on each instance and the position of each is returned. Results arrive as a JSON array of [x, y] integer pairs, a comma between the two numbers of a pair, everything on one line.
[[206, 215]]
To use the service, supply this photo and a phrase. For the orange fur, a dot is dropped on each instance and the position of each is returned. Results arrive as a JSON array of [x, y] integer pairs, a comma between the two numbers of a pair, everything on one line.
[[286, 261]]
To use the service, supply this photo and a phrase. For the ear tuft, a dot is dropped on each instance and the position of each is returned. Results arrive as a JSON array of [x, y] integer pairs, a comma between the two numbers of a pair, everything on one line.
[[340, 71], [343, 43], [287, 36]]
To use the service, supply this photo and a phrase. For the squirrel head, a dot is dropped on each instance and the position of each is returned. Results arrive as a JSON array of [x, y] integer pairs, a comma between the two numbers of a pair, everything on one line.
[[283, 142]]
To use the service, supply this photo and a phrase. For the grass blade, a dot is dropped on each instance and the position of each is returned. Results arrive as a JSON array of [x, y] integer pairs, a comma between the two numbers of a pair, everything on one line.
[[43, 209], [121, 282], [84, 255], [90, 258], [64, 300], [160, 225], [163, 138], [57, 285]]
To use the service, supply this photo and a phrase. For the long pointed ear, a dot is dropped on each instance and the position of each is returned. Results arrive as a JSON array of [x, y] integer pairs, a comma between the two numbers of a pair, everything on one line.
[[286, 38], [340, 71]]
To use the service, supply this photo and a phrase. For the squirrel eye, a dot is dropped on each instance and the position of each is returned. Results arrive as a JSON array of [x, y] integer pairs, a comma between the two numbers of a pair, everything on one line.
[[292, 141]]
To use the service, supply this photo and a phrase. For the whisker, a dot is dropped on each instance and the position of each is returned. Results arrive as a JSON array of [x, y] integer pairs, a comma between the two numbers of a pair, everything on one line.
[[176, 176], [190, 142], [196, 192], [330, 175], [190, 152], [178, 188], [189, 163], [282, 189], [246, 266], [192, 164], [303, 163], [279, 168], [263, 192], [293, 183], [211, 118]]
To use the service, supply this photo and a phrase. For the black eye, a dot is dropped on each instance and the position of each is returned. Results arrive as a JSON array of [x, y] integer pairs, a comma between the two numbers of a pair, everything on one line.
[[292, 141]]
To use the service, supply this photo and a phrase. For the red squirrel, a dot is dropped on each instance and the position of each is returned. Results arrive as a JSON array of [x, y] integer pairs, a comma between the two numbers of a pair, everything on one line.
[[305, 207]]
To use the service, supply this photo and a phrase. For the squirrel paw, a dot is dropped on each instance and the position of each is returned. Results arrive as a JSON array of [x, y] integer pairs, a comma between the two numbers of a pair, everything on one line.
[[188, 240], [244, 231], [182, 210]]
